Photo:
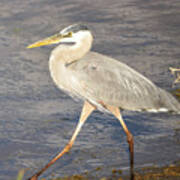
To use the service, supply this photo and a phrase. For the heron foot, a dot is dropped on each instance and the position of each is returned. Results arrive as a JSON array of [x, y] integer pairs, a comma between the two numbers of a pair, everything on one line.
[[130, 141], [34, 177]]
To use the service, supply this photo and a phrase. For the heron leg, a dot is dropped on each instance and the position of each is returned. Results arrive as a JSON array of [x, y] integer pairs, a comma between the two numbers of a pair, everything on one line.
[[116, 112], [86, 111]]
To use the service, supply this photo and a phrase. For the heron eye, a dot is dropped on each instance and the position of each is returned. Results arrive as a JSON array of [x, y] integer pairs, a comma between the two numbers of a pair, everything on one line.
[[69, 34]]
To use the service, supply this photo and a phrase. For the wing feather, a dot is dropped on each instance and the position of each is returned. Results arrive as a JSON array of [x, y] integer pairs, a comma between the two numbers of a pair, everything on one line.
[[103, 79]]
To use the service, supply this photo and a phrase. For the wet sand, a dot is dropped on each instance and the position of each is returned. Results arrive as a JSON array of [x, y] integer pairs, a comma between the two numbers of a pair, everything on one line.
[[171, 172]]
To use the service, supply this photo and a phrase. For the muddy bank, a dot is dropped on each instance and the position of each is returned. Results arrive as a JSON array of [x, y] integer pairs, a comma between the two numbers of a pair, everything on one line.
[[170, 172]]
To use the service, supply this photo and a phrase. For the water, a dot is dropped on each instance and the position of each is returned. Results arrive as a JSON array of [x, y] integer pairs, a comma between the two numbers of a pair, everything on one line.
[[37, 119]]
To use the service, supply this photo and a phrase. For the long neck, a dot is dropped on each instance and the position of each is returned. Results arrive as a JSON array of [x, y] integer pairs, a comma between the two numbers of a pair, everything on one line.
[[63, 55], [69, 53]]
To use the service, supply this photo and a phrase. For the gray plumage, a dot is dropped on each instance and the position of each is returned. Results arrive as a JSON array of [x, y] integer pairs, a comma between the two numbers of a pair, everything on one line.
[[100, 79], [112, 82], [102, 82]]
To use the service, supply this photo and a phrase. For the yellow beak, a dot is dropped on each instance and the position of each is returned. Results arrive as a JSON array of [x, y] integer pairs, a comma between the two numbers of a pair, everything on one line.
[[50, 40]]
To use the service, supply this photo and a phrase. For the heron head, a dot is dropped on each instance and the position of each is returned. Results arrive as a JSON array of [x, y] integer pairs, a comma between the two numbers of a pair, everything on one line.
[[69, 35]]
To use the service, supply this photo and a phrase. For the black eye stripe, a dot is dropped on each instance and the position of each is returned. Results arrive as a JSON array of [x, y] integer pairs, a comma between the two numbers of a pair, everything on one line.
[[76, 28]]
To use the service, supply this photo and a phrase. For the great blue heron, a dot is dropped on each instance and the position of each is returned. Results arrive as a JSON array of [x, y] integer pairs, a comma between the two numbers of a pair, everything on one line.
[[102, 82]]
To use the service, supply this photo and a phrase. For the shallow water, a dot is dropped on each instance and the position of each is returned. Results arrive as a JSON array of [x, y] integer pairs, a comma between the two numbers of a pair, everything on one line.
[[37, 119]]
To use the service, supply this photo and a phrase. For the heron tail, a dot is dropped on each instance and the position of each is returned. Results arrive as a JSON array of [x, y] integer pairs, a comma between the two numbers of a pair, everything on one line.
[[171, 100], [176, 94]]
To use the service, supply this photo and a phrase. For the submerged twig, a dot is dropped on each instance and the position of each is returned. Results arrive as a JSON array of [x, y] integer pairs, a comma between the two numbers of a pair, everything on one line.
[[176, 73]]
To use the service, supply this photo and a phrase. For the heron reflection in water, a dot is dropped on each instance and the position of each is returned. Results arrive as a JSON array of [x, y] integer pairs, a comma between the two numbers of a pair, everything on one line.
[[103, 83]]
